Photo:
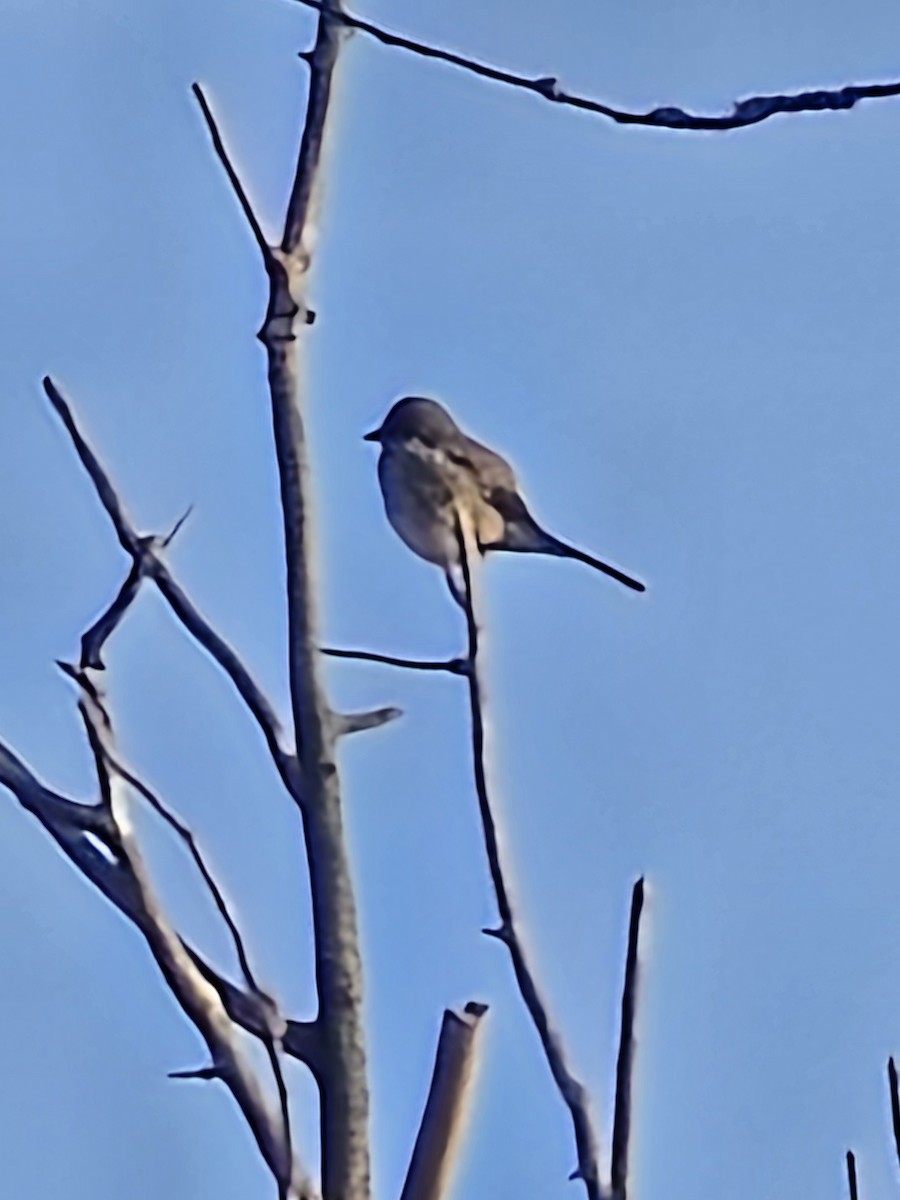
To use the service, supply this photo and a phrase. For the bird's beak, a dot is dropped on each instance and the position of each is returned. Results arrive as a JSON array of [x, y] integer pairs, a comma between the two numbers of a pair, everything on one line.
[[374, 436]]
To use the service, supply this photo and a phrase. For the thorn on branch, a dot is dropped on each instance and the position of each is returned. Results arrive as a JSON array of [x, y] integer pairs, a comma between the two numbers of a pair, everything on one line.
[[345, 723], [475, 1008], [197, 1073], [548, 86], [502, 933], [169, 537]]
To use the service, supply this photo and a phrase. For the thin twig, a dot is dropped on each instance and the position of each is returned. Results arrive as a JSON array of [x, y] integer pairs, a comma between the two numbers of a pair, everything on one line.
[[851, 1175], [625, 1064], [142, 551], [895, 1105], [744, 113], [187, 837], [435, 1152], [572, 1091], [106, 493], [360, 722], [123, 880], [233, 178], [95, 638], [98, 726], [453, 666]]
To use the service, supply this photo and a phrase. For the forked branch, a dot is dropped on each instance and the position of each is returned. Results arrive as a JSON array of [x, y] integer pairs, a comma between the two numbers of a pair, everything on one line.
[[147, 564], [110, 859], [341, 1074]]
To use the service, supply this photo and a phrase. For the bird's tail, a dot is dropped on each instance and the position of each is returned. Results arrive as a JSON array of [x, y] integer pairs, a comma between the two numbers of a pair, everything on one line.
[[565, 551], [541, 542]]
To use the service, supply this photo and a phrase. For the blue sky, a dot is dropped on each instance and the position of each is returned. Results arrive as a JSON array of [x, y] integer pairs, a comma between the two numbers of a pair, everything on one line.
[[688, 345]]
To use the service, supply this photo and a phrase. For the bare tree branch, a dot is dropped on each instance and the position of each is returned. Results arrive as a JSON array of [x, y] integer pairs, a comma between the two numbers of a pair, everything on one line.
[[303, 204], [625, 1064], [453, 666], [744, 113], [147, 563], [98, 725], [95, 638], [435, 1151], [851, 1175], [271, 1030], [346, 723], [234, 179], [342, 1077], [572, 1091], [894, 1094], [119, 874]]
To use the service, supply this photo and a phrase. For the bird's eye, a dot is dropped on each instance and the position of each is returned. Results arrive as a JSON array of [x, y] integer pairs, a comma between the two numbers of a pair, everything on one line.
[[461, 460]]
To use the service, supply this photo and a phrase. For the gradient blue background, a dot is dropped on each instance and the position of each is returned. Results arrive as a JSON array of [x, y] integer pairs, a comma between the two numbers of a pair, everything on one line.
[[689, 346]]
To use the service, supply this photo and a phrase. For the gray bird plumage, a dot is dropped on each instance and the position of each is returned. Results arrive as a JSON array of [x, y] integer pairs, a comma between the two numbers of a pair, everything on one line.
[[432, 475]]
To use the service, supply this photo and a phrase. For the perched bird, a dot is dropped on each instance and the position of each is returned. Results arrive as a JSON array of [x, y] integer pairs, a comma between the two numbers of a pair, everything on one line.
[[433, 475]]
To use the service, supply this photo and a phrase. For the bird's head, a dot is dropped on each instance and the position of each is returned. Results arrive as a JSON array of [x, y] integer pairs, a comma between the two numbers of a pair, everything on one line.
[[415, 417]]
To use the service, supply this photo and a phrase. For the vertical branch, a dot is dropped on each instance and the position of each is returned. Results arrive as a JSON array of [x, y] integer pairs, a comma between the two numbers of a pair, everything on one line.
[[572, 1091], [435, 1151], [344, 1100], [302, 206], [851, 1175], [340, 1058], [895, 1105], [625, 1064]]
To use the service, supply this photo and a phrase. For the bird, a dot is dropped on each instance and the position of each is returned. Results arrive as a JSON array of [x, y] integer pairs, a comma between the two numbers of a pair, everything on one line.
[[434, 477]]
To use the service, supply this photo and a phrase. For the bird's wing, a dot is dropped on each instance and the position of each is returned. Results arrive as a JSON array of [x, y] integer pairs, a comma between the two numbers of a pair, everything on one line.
[[489, 471], [504, 510]]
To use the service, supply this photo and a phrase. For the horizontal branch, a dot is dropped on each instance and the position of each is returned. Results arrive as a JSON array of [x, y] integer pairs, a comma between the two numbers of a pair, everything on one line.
[[453, 666], [345, 723], [744, 113]]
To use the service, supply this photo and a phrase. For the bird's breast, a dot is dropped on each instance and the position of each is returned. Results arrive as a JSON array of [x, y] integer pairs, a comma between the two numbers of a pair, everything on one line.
[[419, 499]]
